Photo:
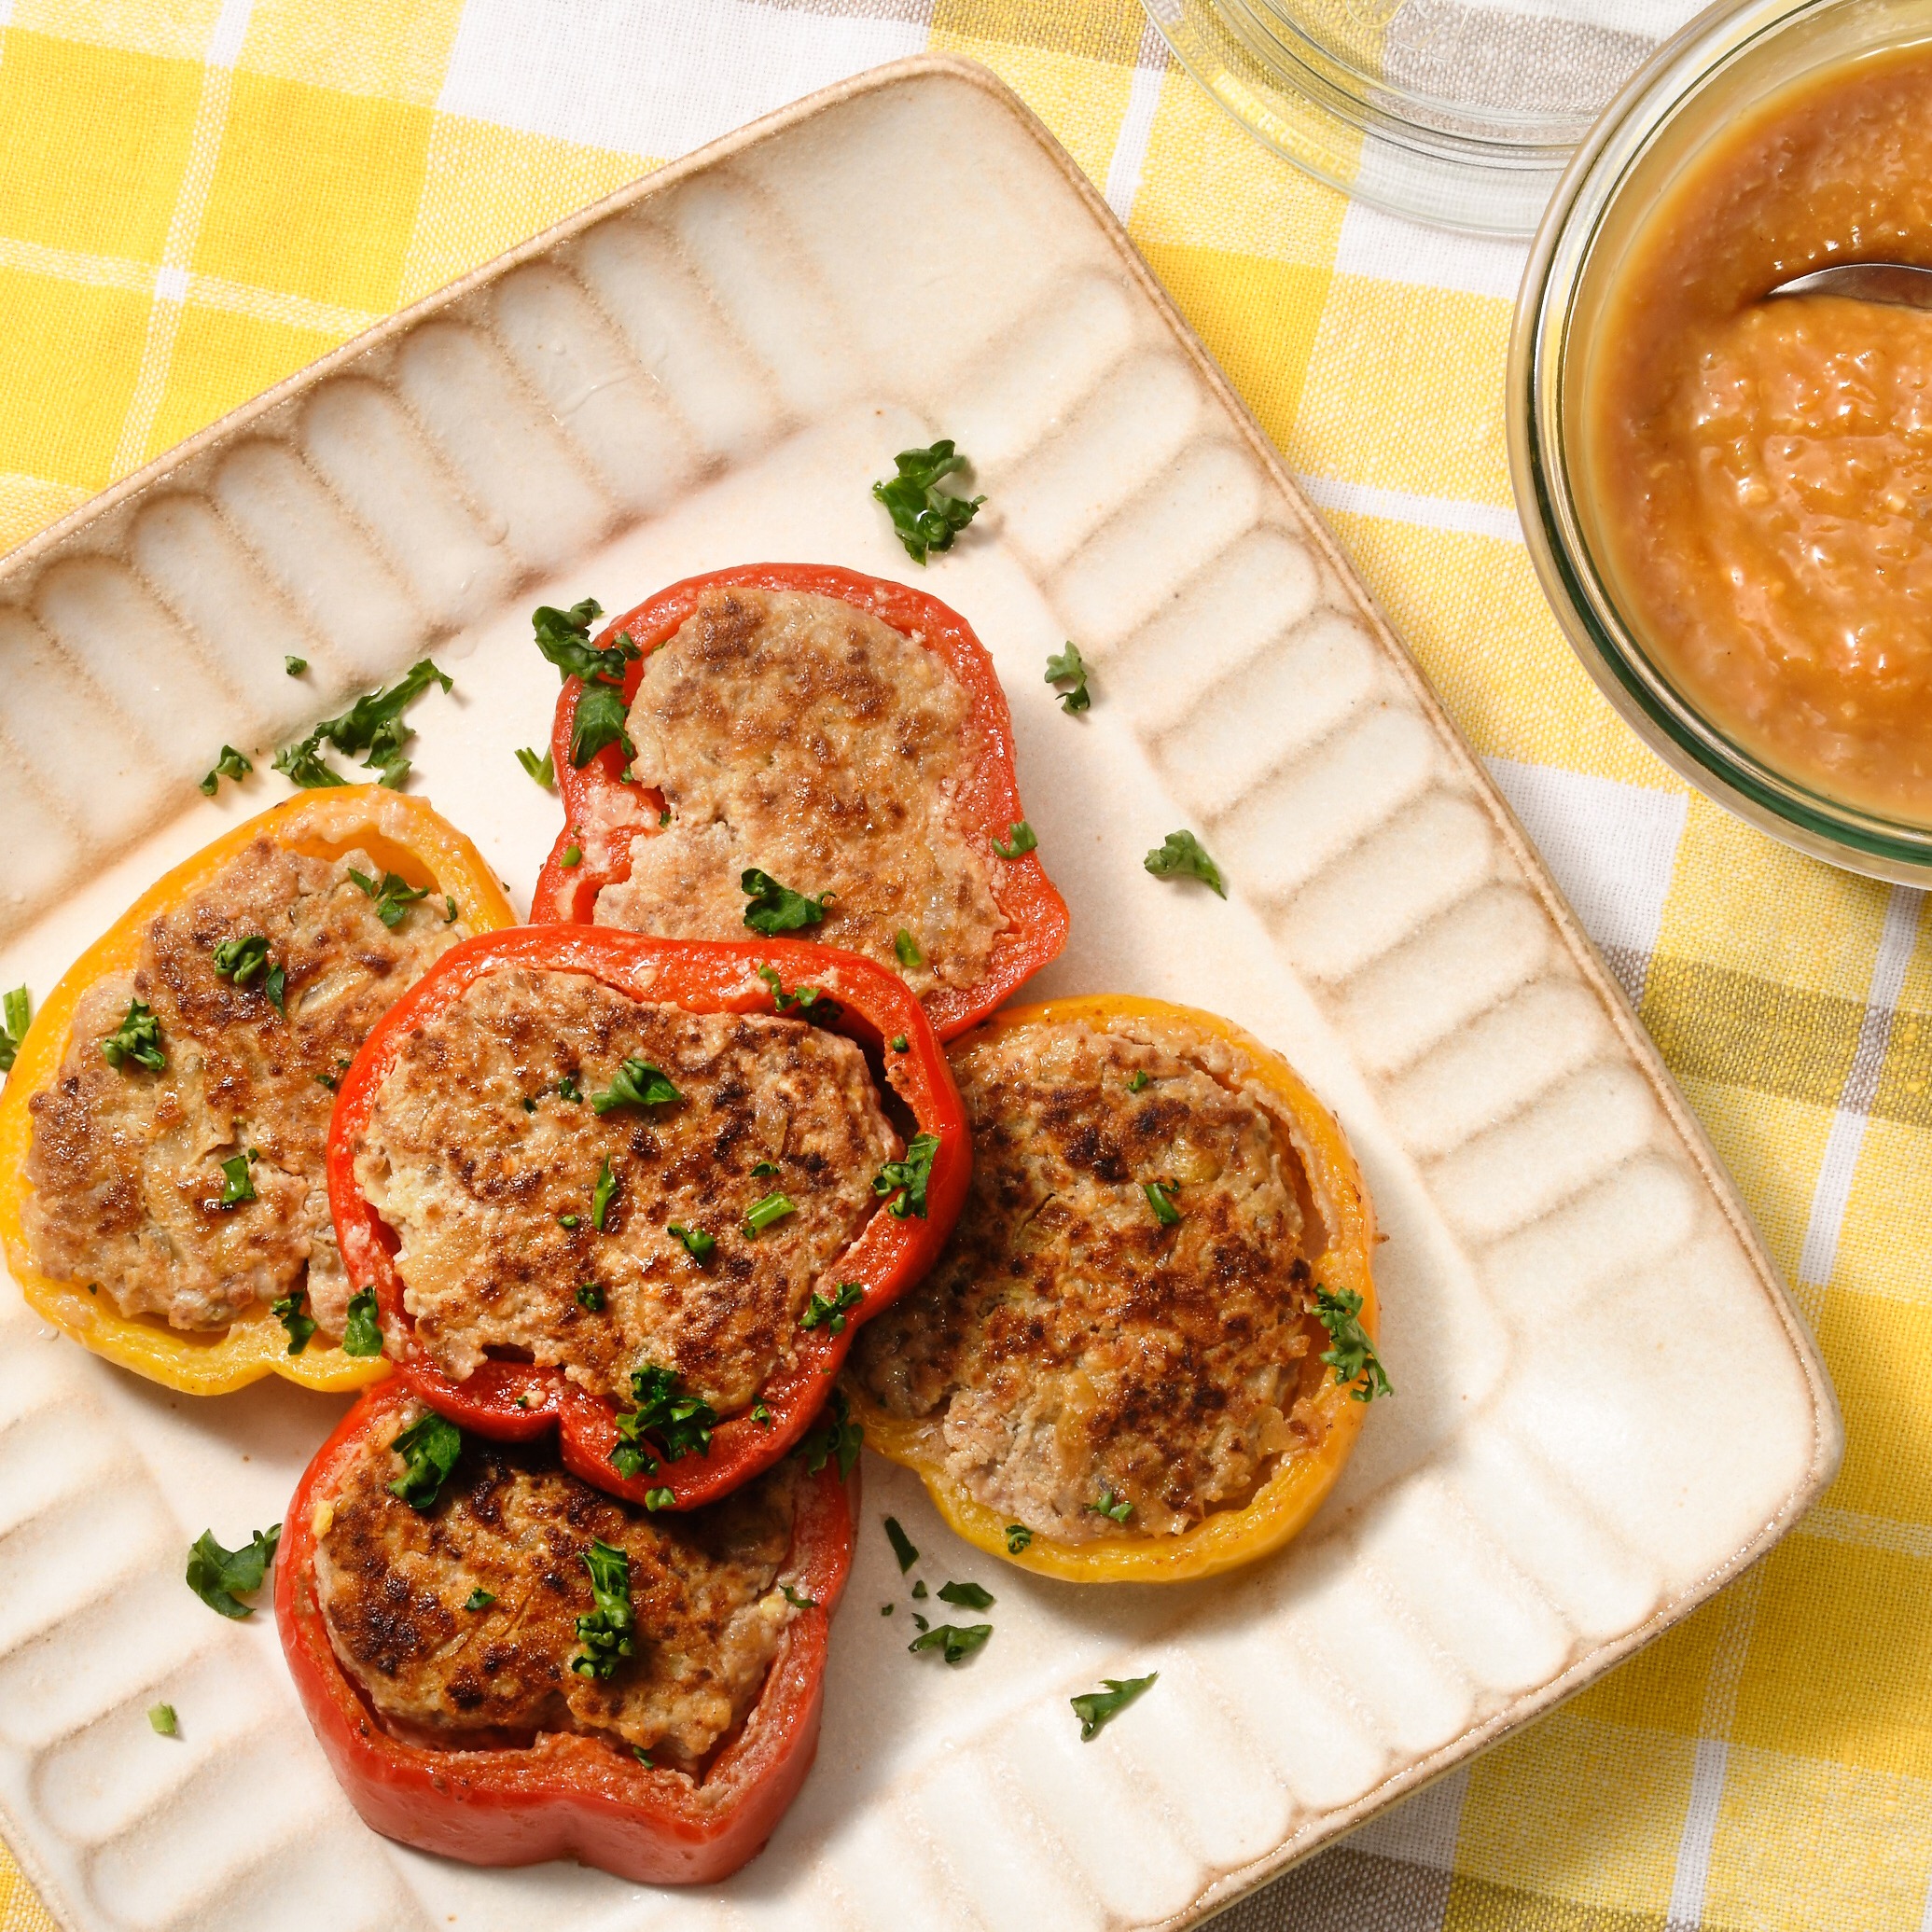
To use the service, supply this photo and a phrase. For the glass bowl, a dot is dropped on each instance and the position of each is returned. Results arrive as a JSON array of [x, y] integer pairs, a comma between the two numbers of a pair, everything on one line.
[[1460, 113], [1722, 64]]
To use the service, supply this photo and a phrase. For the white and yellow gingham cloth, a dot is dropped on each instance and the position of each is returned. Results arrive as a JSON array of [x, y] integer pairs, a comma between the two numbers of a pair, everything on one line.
[[198, 196]]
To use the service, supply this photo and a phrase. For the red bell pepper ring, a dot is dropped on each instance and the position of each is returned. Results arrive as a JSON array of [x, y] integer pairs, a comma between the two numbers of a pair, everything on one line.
[[1035, 914], [516, 1401], [568, 1796]]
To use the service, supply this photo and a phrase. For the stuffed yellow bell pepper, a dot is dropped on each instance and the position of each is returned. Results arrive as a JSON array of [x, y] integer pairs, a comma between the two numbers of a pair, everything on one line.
[[163, 1195], [1149, 1346]]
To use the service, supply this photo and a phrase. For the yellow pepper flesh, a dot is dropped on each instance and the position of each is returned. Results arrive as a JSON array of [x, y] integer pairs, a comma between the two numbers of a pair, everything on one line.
[[402, 834], [1284, 1503]]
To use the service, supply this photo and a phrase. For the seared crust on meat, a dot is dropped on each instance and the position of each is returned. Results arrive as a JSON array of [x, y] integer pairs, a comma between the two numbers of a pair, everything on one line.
[[801, 735], [125, 1166], [392, 1583], [477, 1184], [1070, 1348]]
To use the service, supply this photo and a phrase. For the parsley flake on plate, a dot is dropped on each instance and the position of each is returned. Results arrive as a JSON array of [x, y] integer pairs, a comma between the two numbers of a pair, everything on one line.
[[776, 908], [605, 1631], [288, 1311], [967, 1596], [222, 1578], [16, 1016], [906, 1180], [955, 1641], [1098, 1708], [138, 1037], [362, 1333], [902, 1545], [925, 518], [1020, 839], [919, 1590], [563, 636], [1182, 854], [231, 764], [823, 1312], [836, 1435], [295, 666], [1353, 1358], [1068, 667], [429, 1448], [635, 1084], [162, 1721], [372, 728], [542, 769]]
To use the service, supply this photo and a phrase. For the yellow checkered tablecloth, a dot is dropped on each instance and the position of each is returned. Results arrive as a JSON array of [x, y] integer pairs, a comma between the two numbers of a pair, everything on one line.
[[198, 196]]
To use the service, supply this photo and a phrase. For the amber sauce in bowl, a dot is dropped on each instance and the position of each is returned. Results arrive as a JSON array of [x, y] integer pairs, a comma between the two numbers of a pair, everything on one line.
[[1754, 477]]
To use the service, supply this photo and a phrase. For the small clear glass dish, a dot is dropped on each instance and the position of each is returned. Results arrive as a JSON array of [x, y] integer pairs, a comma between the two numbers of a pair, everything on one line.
[[1722, 64]]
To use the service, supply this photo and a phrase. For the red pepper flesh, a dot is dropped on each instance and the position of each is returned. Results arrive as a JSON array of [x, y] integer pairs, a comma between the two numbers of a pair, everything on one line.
[[568, 1796], [1035, 914], [516, 1401]]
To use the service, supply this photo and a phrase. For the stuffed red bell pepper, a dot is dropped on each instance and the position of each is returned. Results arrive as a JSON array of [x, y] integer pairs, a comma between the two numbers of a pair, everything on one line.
[[505, 1666], [642, 1191], [795, 748]]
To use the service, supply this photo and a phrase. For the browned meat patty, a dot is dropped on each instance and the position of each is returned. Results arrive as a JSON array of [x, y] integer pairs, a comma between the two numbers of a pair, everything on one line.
[[802, 736], [1071, 1350], [125, 1168], [394, 1584], [479, 1158]]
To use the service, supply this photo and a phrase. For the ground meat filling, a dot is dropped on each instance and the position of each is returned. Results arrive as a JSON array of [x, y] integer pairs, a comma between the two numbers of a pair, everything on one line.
[[483, 1153], [800, 735], [394, 1583], [125, 1166], [1071, 1352]]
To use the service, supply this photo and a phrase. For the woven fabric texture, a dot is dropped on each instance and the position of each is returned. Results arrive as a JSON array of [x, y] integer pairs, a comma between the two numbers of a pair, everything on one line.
[[198, 196]]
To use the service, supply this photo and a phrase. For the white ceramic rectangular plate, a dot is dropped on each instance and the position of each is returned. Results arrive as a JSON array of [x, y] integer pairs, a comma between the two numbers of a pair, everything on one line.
[[709, 368]]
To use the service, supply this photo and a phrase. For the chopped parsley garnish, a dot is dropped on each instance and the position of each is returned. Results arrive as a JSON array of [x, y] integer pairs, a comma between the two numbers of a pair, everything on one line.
[[570, 1221], [761, 1215], [372, 726], [16, 1015], [1018, 1537], [543, 770], [138, 1037], [830, 1312], [760, 1169], [837, 1436], [811, 1004], [1182, 853], [568, 1089], [237, 1183], [605, 1631], [886, 1609], [287, 1310], [572, 855], [1115, 1509], [1068, 667], [898, 1043], [924, 517], [1100, 1707], [1353, 1358], [698, 1244], [635, 1084], [241, 959], [902, 1545], [798, 1599], [907, 948], [162, 1721], [1020, 839], [221, 1577], [681, 1423], [659, 1498], [231, 764], [906, 1179], [479, 1599], [295, 666], [591, 1297], [1136, 1079], [1161, 1199], [643, 1756], [919, 1590], [920, 1622], [362, 1334], [394, 896], [430, 1449], [956, 1642], [602, 1195], [777, 909], [967, 1596], [563, 636], [761, 1416]]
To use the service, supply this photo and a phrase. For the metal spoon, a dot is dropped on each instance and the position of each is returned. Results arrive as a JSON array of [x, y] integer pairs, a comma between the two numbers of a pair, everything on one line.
[[1901, 283]]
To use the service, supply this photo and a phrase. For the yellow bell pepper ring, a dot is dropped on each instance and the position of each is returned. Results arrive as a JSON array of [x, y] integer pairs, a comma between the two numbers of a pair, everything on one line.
[[402, 834], [1285, 1501]]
